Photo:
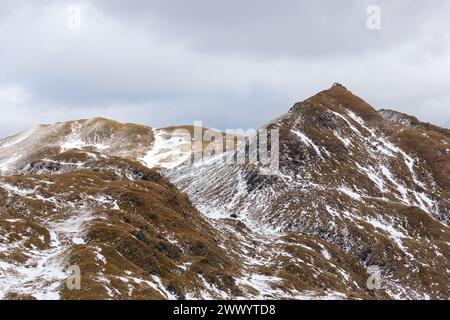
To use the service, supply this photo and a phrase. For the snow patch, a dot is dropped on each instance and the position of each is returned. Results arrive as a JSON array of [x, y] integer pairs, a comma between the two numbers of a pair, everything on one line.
[[307, 141], [168, 151], [350, 193]]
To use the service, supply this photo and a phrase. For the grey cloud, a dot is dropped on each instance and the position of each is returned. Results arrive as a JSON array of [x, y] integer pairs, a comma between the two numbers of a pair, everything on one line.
[[232, 64], [287, 28]]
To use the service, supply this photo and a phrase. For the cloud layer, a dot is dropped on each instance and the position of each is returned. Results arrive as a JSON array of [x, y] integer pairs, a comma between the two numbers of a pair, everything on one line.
[[232, 64]]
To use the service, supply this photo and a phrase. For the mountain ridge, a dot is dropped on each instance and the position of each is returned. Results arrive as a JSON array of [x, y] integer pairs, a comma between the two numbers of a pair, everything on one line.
[[354, 190]]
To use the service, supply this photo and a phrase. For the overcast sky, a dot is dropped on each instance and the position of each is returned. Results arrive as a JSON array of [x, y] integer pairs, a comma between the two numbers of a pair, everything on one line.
[[229, 63]]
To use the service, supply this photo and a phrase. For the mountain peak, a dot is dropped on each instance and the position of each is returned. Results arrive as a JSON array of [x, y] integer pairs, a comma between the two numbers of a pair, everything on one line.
[[336, 99], [338, 85]]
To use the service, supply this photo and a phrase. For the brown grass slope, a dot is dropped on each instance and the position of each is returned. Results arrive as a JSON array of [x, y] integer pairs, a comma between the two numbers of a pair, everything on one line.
[[143, 239], [139, 222]]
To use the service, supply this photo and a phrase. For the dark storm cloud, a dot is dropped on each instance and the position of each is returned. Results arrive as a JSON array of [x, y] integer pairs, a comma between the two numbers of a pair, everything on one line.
[[229, 63]]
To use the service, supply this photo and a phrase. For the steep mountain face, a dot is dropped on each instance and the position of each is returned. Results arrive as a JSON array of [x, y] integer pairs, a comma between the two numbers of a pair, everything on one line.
[[376, 189], [355, 188]]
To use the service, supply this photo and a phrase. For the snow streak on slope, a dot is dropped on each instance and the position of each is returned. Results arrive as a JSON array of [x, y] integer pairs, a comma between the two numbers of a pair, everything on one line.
[[169, 150], [44, 270]]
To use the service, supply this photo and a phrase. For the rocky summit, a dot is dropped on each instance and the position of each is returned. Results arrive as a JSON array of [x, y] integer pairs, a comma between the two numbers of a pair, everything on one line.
[[358, 209]]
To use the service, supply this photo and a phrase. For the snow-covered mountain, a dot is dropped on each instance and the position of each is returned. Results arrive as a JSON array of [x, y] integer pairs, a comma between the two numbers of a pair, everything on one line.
[[356, 188]]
